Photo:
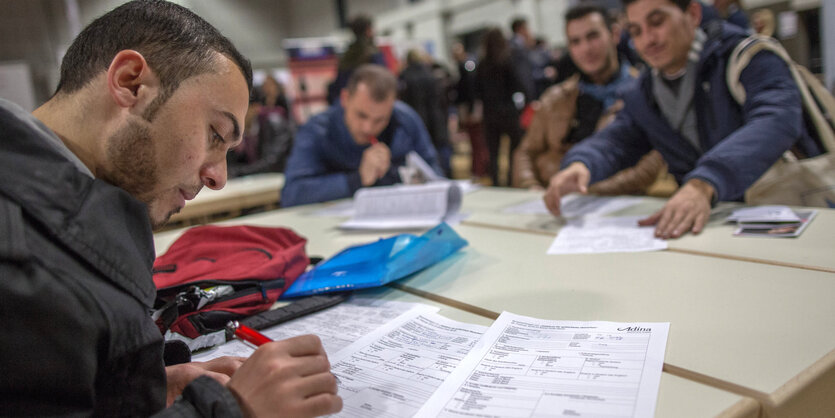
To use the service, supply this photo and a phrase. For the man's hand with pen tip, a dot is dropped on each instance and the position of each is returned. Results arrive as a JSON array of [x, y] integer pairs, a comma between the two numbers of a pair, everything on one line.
[[375, 163], [287, 378]]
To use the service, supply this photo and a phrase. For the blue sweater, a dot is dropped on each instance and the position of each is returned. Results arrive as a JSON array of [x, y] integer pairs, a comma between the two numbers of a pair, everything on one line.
[[740, 142], [324, 163]]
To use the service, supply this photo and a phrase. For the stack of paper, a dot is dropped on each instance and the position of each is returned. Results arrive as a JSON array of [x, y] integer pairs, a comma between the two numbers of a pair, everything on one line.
[[771, 221], [413, 206]]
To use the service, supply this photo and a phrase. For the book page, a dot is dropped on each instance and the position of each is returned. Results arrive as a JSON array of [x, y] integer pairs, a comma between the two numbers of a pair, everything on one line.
[[404, 206], [528, 367], [337, 326], [394, 370]]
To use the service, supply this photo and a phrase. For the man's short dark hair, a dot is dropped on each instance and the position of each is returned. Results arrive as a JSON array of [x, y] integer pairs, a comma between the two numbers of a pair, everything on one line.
[[682, 4], [379, 80], [518, 23], [176, 43], [359, 25], [581, 11]]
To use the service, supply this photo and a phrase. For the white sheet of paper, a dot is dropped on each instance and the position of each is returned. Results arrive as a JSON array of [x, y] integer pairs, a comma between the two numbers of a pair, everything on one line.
[[606, 235], [528, 367], [576, 205], [394, 370], [337, 326]]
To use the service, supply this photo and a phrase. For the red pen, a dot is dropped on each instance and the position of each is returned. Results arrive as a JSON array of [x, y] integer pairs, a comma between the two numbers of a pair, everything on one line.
[[373, 140], [247, 334]]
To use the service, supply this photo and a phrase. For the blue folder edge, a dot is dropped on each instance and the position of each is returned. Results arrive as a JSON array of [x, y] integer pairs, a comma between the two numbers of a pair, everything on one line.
[[378, 263]]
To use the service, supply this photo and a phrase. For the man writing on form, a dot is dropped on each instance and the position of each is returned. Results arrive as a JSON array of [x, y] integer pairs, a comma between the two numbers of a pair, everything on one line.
[[150, 99]]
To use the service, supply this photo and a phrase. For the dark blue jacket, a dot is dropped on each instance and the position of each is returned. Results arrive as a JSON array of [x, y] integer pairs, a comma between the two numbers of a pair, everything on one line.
[[740, 142], [325, 160]]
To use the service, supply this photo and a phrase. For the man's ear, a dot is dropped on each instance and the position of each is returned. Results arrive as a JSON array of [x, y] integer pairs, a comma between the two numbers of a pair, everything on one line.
[[616, 29], [694, 11], [130, 80], [343, 97]]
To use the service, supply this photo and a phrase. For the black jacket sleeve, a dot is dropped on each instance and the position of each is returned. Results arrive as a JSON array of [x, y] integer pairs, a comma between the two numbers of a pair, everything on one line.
[[204, 397]]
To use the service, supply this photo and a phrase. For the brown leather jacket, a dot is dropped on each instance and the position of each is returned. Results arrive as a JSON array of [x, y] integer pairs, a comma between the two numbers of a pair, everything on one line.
[[538, 156]]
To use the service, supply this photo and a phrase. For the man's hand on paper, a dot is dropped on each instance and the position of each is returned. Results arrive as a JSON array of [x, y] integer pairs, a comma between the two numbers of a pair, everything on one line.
[[375, 163], [180, 375], [574, 178], [288, 378], [687, 210]]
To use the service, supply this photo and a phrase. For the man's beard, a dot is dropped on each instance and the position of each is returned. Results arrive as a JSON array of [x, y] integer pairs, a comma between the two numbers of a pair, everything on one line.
[[131, 154]]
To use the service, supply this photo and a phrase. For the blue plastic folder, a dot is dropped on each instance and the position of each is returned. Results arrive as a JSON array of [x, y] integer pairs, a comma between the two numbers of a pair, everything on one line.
[[378, 263]]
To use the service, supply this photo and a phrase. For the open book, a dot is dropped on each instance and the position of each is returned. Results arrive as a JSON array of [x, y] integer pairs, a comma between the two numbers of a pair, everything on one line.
[[412, 206]]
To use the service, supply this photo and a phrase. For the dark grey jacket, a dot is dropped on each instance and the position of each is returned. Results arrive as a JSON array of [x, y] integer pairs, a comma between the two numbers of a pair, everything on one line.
[[75, 291]]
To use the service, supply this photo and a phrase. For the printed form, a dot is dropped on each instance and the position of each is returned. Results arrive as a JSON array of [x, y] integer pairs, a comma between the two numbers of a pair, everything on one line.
[[337, 327], [394, 370], [528, 367]]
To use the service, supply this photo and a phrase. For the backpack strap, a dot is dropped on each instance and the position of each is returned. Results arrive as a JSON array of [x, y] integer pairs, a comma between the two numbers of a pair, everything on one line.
[[746, 50]]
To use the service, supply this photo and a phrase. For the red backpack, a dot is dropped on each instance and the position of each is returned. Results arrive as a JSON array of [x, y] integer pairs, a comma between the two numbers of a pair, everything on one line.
[[214, 274]]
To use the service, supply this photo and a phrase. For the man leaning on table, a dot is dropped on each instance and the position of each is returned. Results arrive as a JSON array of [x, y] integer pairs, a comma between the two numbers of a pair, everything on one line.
[[150, 99], [574, 109], [681, 107], [358, 142]]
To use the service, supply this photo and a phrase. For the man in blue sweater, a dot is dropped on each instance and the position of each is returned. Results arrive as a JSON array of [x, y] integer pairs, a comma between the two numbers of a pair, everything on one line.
[[359, 142], [714, 147]]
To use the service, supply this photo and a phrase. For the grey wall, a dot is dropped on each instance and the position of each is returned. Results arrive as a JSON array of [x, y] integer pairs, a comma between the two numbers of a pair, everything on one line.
[[34, 32]]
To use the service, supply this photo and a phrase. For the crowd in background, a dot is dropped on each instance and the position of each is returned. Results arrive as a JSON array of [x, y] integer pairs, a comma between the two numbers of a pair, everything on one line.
[[492, 92]]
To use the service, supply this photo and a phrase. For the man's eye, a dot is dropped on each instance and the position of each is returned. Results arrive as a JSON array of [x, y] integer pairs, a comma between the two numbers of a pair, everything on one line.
[[216, 138], [656, 21]]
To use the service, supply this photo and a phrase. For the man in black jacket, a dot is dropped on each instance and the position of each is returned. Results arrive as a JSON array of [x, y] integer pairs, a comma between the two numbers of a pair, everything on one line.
[[150, 99]]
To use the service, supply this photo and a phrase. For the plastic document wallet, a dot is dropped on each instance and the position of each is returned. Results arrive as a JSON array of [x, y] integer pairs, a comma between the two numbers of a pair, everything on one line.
[[378, 263]]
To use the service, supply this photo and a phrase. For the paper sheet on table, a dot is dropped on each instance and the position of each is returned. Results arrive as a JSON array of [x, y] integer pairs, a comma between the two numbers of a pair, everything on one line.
[[411, 206], [394, 370], [606, 235], [528, 367], [576, 205], [417, 170], [337, 327]]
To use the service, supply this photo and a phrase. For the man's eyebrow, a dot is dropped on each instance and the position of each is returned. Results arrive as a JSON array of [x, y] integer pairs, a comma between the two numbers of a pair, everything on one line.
[[655, 13], [236, 129]]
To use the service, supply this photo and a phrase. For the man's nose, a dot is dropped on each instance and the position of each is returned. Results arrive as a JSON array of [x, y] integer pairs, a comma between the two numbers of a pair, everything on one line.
[[213, 175]]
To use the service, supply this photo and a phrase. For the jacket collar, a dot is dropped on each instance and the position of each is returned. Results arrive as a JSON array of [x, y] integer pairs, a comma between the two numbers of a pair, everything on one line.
[[98, 222]]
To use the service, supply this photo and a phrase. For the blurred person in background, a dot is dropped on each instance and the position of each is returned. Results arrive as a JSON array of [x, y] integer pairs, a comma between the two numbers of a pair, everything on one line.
[[469, 120], [358, 142], [421, 89], [361, 51], [501, 97], [268, 133], [715, 147]]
